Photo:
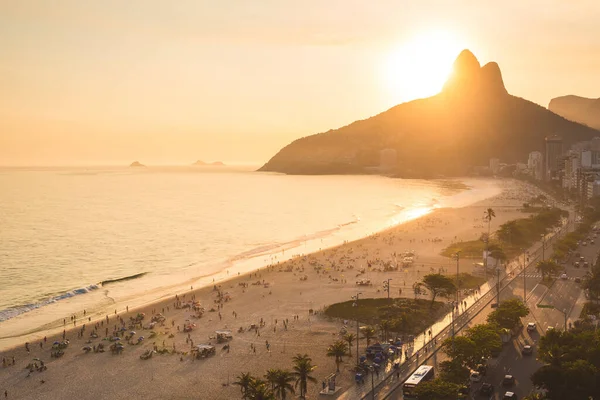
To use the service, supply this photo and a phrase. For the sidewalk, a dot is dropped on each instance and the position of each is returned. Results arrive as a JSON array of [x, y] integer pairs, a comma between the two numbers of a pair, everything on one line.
[[387, 382]]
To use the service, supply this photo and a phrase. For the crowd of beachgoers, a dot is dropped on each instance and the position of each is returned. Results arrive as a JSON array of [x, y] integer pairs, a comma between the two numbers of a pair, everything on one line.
[[197, 342]]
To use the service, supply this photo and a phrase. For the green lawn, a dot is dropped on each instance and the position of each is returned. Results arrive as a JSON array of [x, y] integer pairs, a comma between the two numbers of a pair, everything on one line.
[[468, 281], [406, 316], [470, 249]]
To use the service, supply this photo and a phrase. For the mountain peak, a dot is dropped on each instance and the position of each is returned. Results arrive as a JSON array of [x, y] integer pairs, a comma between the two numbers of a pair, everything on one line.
[[468, 77]]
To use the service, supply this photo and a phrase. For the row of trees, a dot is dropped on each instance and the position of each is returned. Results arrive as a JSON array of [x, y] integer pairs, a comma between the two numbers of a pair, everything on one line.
[[466, 352], [277, 383], [572, 369], [524, 232]]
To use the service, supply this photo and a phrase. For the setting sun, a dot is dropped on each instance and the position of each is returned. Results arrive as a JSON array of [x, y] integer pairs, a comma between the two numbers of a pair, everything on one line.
[[419, 67]]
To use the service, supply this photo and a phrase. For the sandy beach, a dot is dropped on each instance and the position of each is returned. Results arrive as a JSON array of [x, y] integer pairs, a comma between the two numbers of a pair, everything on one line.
[[280, 296]]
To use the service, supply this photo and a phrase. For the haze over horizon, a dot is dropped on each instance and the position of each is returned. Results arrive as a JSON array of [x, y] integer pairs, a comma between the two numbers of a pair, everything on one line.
[[162, 83]]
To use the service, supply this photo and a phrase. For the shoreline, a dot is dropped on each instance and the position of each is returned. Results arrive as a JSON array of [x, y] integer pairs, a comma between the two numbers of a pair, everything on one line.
[[96, 304], [294, 287]]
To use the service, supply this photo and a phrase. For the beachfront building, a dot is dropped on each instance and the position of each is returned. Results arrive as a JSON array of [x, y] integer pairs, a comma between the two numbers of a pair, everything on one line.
[[554, 152], [535, 165], [572, 164]]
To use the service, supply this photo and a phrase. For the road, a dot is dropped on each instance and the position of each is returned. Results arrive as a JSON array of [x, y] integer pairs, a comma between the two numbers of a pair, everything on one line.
[[563, 294]]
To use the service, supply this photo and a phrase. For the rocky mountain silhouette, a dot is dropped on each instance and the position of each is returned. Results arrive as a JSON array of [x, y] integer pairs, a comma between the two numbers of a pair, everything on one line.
[[471, 120], [579, 109]]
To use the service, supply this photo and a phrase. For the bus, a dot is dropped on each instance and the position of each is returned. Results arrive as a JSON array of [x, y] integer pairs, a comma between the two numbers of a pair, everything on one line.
[[423, 374]]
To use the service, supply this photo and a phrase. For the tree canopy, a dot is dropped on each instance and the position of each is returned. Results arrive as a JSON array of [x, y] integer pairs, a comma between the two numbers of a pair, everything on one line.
[[508, 314], [437, 389], [438, 285]]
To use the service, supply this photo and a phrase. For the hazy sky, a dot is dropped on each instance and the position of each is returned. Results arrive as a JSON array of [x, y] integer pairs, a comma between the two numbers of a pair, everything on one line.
[[105, 82]]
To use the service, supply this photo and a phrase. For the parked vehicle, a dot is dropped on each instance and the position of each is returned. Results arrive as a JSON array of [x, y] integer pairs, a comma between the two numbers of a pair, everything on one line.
[[508, 380]]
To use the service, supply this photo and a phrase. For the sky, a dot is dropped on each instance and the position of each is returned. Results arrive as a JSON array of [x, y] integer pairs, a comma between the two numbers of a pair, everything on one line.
[[170, 82]]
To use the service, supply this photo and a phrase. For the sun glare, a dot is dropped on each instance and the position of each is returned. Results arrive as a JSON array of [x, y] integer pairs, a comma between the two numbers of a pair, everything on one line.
[[419, 67]]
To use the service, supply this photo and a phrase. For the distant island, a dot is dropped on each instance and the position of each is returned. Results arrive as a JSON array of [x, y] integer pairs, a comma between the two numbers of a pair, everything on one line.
[[201, 163], [472, 120], [136, 164], [579, 109]]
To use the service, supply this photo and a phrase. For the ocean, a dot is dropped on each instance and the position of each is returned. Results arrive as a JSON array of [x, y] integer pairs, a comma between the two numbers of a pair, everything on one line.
[[66, 232]]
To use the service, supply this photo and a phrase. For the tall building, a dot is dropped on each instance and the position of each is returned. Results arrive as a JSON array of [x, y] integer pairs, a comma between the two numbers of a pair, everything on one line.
[[535, 165], [554, 151]]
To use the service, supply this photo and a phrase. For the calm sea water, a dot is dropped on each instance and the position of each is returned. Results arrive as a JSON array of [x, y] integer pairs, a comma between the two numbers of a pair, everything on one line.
[[62, 231]]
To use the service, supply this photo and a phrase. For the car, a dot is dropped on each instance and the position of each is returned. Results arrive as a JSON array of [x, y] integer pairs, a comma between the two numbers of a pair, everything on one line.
[[550, 328], [584, 243], [563, 276], [581, 258], [592, 241], [482, 369], [586, 264], [576, 264], [475, 376], [486, 389], [577, 280], [508, 380], [509, 396], [527, 350], [531, 326]]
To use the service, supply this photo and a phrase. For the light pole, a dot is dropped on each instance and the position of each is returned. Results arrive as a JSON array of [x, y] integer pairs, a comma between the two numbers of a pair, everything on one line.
[[498, 285], [485, 257], [457, 282], [543, 246], [357, 333], [524, 281], [386, 286], [453, 305], [372, 384]]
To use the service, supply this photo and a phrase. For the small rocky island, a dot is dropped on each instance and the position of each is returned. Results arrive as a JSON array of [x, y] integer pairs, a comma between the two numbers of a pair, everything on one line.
[[136, 164], [201, 163]]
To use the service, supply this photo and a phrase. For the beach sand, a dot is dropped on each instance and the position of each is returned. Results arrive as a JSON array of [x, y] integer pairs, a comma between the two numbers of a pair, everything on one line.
[[78, 375]]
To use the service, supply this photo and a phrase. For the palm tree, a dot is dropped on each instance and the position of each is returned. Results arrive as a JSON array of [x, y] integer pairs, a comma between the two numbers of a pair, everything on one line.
[[369, 333], [244, 381], [259, 390], [302, 369], [488, 215], [337, 350], [283, 384], [384, 327], [349, 337], [271, 376]]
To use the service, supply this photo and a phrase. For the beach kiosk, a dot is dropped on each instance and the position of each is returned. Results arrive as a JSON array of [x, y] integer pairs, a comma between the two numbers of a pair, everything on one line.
[[223, 336], [203, 351], [329, 388]]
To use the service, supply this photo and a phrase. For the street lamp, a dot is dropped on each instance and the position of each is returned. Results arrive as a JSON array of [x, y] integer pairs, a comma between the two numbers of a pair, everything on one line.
[[386, 286], [457, 282], [372, 370], [525, 261], [498, 285], [543, 246], [355, 304], [453, 332]]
